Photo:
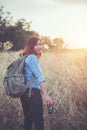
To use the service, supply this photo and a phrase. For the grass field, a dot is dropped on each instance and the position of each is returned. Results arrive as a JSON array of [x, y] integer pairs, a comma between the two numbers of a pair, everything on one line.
[[66, 83]]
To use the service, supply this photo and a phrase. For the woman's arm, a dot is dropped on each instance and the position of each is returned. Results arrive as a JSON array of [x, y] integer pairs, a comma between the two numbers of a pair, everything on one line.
[[49, 101], [36, 70]]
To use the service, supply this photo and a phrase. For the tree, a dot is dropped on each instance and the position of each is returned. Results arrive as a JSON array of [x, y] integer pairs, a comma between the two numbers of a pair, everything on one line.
[[19, 33], [46, 41], [5, 21], [58, 43], [15, 32]]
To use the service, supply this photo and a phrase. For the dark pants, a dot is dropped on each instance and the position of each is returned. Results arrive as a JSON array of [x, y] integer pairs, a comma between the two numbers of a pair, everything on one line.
[[33, 110]]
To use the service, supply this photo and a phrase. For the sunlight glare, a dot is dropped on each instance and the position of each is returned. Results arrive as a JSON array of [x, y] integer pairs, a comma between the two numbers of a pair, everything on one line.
[[82, 40]]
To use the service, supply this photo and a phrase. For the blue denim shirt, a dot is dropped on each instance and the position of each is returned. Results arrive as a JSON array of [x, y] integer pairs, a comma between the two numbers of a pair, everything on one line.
[[32, 68]]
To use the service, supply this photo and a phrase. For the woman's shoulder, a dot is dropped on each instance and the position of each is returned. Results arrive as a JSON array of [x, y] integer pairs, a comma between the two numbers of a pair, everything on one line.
[[31, 56]]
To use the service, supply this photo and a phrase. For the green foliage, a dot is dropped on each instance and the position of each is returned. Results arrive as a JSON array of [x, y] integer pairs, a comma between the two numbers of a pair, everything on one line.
[[17, 35], [5, 20], [15, 32]]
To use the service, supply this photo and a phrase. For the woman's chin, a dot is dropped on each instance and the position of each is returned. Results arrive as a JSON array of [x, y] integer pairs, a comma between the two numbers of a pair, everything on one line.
[[38, 52]]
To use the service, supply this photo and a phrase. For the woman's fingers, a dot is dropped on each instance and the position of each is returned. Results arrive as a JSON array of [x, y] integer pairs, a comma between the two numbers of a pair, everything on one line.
[[49, 101]]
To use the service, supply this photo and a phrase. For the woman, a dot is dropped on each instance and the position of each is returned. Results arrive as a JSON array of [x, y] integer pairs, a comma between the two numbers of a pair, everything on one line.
[[33, 106]]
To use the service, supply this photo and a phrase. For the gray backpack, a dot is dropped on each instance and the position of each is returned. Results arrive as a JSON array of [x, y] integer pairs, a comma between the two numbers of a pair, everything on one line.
[[14, 81]]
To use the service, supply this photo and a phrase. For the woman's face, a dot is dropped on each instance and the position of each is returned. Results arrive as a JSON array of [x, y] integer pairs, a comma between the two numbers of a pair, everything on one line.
[[38, 47]]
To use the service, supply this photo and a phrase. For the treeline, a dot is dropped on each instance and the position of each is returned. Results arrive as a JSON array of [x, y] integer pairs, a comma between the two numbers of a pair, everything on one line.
[[18, 32]]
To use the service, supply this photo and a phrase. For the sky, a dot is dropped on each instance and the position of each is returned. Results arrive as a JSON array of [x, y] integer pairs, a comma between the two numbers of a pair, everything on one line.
[[65, 19]]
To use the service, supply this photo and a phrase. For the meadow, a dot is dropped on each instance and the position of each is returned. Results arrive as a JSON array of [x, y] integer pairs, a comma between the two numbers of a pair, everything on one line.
[[66, 82]]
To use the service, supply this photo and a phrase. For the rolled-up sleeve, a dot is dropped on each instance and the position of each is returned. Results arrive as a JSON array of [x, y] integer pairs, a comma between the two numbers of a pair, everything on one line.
[[36, 69]]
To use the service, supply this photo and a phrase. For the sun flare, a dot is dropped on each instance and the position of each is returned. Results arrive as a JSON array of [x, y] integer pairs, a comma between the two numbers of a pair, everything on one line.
[[82, 40]]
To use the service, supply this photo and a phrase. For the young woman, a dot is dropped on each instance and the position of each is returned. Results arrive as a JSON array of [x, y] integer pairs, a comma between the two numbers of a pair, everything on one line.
[[33, 106]]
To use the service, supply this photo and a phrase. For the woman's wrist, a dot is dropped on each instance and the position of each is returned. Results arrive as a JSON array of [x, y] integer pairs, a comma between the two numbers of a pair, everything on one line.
[[45, 93]]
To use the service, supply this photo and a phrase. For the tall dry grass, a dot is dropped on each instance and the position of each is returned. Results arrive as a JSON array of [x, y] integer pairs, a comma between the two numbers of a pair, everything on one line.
[[66, 83]]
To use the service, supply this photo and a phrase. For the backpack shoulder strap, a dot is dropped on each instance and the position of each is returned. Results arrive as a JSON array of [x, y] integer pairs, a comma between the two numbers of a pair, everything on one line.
[[30, 88], [29, 84]]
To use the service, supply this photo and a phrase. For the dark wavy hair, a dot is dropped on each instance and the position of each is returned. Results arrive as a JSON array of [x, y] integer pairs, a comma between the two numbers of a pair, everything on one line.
[[29, 46]]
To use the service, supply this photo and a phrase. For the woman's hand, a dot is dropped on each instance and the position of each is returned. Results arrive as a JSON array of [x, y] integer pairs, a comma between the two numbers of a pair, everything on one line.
[[49, 100]]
